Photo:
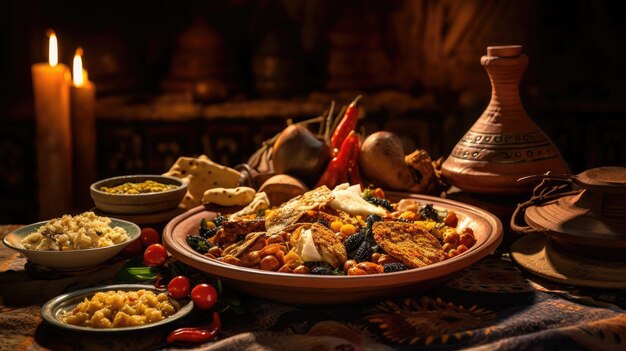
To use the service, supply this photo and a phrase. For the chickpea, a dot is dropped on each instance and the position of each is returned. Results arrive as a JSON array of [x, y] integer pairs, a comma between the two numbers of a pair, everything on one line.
[[211, 225], [215, 251], [281, 257], [209, 255], [451, 237], [275, 239], [285, 269], [270, 263], [371, 267], [231, 260], [452, 253], [301, 269], [461, 248], [385, 258], [349, 264], [291, 256], [336, 226], [447, 247], [272, 249], [467, 237], [356, 271], [376, 256]]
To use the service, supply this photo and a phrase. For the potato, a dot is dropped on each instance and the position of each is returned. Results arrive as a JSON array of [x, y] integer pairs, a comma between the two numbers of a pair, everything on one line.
[[382, 162]]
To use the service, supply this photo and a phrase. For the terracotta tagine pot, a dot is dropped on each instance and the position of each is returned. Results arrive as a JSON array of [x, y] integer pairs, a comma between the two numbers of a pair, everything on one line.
[[504, 144]]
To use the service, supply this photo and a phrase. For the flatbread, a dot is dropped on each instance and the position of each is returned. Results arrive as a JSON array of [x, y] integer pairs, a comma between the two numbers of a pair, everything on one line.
[[202, 174]]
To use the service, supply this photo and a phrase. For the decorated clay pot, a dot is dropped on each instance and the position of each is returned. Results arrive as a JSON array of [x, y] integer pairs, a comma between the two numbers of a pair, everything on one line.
[[504, 144]]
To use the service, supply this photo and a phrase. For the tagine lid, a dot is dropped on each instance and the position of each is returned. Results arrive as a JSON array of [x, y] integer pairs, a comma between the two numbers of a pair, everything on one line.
[[595, 216]]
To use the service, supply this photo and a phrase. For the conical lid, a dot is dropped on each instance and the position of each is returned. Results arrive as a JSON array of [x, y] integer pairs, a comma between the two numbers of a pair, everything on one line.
[[504, 144], [596, 216]]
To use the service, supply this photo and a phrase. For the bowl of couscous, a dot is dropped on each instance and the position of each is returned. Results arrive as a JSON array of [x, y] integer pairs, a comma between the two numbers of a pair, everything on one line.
[[138, 194], [73, 242]]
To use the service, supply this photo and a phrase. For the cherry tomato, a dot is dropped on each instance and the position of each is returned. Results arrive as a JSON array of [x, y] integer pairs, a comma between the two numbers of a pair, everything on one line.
[[204, 296], [133, 249], [149, 236], [155, 255], [179, 287]]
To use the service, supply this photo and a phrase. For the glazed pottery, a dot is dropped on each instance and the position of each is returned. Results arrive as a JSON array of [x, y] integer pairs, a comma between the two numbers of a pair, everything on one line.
[[504, 144]]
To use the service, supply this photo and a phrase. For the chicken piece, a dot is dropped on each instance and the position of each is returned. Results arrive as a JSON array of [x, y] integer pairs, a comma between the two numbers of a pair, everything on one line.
[[328, 214], [243, 227], [326, 243], [289, 212], [408, 242], [238, 248]]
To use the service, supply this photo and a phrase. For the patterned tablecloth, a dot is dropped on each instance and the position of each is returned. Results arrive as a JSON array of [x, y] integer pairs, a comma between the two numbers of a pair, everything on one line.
[[490, 305]]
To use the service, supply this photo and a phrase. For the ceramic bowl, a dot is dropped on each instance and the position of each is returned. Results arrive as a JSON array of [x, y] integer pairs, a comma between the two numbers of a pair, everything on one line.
[[73, 259], [54, 309], [321, 290], [137, 203]]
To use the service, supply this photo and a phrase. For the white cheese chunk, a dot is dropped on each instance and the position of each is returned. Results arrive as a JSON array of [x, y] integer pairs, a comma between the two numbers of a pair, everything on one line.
[[348, 199], [308, 252]]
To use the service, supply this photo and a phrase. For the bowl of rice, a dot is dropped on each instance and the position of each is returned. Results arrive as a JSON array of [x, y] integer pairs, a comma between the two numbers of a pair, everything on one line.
[[73, 242]]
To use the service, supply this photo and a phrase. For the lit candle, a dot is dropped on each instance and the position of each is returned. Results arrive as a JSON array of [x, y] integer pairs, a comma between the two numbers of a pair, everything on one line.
[[54, 147], [83, 112]]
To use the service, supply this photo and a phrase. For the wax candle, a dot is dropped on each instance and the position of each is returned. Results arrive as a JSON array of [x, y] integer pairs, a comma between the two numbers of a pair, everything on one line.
[[54, 144], [83, 112]]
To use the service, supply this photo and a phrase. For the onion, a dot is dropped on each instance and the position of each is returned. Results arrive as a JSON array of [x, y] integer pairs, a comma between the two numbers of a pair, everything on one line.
[[299, 153], [382, 162]]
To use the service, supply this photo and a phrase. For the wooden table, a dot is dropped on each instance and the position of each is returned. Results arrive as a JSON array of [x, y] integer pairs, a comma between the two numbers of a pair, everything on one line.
[[490, 305]]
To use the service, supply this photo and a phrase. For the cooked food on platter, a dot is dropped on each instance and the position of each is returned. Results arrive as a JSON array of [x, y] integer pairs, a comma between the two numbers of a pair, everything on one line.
[[83, 231], [344, 231]]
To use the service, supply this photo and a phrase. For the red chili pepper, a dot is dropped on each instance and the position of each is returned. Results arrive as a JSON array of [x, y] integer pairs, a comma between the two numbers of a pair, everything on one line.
[[345, 126], [199, 334], [337, 170]]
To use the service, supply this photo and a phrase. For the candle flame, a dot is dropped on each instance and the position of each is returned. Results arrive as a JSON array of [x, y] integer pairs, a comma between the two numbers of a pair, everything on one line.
[[53, 51], [77, 68]]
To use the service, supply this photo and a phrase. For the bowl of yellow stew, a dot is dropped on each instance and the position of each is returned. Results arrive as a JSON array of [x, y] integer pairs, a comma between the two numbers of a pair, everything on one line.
[[138, 194]]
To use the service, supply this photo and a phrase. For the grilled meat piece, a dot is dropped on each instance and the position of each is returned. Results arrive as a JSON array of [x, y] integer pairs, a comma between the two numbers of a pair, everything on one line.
[[243, 227], [408, 242]]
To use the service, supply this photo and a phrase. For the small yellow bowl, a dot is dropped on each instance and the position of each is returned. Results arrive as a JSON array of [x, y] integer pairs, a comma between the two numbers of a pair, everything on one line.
[[130, 204]]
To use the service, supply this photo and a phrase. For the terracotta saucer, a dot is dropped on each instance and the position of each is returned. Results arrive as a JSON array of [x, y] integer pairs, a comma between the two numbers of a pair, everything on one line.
[[544, 257]]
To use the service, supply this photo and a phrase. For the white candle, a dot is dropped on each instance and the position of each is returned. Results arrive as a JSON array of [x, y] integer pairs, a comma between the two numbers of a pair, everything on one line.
[[54, 145], [83, 112]]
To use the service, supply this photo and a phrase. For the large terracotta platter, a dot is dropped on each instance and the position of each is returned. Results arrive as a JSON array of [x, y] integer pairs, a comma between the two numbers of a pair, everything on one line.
[[320, 290]]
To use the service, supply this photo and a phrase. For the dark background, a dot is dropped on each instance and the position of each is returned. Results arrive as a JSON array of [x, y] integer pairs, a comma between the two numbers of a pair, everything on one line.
[[417, 62]]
